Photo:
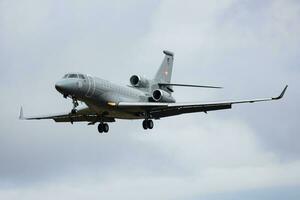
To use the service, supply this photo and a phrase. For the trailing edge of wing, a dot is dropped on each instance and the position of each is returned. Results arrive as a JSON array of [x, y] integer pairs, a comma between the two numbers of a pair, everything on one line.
[[187, 85]]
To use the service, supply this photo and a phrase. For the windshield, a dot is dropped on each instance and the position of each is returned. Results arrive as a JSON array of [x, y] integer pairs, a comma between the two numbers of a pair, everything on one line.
[[73, 76], [66, 76], [81, 76]]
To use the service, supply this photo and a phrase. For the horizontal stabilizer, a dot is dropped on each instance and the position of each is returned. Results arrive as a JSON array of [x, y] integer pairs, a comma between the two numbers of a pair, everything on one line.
[[169, 53], [186, 85]]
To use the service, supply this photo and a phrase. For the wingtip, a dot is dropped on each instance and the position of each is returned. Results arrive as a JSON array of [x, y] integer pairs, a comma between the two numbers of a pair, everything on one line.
[[282, 93], [21, 116]]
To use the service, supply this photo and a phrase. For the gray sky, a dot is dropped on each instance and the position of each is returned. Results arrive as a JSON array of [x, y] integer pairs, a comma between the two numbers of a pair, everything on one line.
[[249, 47]]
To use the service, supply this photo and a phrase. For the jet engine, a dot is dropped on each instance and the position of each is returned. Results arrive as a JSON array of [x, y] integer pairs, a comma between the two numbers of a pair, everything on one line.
[[162, 96], [139, 81]]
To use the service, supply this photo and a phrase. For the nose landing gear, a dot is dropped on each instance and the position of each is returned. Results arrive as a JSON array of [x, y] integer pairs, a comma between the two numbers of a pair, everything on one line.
[[75, 104]]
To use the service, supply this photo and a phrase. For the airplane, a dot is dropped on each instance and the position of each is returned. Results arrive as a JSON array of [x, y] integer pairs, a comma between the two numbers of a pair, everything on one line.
[[144, 99]]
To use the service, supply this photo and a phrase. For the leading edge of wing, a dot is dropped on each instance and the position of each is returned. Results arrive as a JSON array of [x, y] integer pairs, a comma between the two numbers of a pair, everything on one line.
[[159, 104], [50, 116]]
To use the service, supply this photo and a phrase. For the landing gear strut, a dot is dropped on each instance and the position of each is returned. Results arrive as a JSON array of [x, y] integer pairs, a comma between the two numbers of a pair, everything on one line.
[[148, 124], [103, 127], [75, 104]]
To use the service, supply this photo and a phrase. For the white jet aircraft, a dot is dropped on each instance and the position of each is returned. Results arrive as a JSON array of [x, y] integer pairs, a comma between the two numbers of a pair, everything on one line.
[[145, 99]]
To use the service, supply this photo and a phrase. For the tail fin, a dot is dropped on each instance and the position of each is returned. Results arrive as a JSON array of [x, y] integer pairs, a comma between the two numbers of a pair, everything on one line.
[[164, 73]]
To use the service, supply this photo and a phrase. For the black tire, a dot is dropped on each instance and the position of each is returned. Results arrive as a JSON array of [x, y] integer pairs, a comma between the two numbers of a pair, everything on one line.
[[100, 128], [73, 111], [105, 128], [150, 124], [145, 124]]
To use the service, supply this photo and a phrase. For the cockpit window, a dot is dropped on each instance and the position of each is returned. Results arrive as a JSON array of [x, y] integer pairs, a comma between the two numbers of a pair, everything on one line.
[[66, 76], [81, 76], [73, 76]]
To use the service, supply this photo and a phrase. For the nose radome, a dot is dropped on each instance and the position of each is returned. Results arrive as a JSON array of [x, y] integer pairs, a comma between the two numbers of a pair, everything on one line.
[[66, 87], [59, 86], [62, 86]]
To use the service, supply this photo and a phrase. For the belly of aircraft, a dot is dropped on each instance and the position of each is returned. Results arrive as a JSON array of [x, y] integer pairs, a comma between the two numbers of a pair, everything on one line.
[[114, 112]]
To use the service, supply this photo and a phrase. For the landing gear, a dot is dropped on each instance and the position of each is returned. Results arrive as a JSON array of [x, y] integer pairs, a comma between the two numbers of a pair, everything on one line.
[[148, 124], [145, 126], [75, 104], [103, 127]]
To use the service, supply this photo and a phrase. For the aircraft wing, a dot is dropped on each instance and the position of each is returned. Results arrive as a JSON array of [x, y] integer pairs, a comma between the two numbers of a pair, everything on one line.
[[158, 110], [82, 115]]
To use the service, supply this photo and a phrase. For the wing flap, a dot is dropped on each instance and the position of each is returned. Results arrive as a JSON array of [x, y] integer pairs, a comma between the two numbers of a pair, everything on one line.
[[170, 111], [83, 118]]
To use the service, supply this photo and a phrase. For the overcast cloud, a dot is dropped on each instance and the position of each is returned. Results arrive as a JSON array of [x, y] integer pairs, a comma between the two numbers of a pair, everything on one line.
[[249, 47]]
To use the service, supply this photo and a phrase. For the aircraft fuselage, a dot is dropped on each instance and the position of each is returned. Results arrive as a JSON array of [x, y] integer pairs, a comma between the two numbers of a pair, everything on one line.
[[99, 95]]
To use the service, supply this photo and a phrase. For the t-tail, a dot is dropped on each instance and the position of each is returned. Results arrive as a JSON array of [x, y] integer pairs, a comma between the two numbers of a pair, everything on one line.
[[160, 86], [164, 74]]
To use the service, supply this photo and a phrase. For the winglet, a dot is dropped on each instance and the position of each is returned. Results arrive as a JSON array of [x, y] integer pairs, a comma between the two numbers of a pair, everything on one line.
[[21, 113], [169, 53], [282, 94]]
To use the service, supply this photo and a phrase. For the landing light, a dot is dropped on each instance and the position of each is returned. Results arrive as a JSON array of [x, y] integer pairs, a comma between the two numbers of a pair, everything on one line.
[[111, 104]]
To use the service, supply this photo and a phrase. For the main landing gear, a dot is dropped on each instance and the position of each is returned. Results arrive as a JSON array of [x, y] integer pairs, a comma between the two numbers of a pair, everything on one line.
[[103, 127], [148, 124]]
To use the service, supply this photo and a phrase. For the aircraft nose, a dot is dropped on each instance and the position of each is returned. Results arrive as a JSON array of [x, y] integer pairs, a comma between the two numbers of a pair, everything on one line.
[[65, 87], [59, 86]]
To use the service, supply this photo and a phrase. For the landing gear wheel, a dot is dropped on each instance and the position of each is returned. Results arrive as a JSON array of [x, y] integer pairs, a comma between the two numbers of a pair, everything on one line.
[[100, 128], [150, 124], [105, 128], [145, 124]]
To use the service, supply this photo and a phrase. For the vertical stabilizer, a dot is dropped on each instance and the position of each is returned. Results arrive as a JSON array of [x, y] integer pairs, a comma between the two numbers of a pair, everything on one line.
[[164, 73]]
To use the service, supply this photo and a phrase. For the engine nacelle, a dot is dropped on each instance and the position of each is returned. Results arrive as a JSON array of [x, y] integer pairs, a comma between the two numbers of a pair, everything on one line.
[[139, 81], [162, 96]]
